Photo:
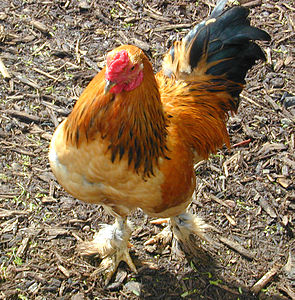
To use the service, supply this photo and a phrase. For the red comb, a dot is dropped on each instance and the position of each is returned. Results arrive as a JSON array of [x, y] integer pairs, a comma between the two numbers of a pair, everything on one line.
[[117, 63]]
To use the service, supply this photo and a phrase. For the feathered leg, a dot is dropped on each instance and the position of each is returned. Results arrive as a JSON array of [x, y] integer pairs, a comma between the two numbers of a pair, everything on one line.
[[183, 227], [111, 243]]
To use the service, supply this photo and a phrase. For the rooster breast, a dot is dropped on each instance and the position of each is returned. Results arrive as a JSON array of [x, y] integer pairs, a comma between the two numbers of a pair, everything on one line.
[[88, 174]]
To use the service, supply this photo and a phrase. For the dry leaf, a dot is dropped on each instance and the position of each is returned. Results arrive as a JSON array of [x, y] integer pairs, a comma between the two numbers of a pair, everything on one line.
[[284, 182]]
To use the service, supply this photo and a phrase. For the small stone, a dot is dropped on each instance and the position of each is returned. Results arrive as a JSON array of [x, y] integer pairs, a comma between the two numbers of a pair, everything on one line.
[[84, 5], [134, 287], [285, 171], [3, 16], [33, 288], [86, 228], [285, 220], [79, 296], [55, 282], [289, 102], [286, 122], [230, 203], [277, 82]]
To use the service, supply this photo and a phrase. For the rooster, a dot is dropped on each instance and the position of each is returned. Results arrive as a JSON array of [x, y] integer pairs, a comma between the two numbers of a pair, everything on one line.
[[133, 137]]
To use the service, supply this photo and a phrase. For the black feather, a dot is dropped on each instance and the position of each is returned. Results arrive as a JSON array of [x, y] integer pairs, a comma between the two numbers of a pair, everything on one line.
[[172, 52], [114, 154], [130, 156], [77, 136], [121, 151], [218, 9], [227, 41]]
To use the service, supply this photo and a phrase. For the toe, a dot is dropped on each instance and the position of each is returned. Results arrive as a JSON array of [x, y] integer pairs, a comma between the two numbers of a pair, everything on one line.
[[160, 221], [164, 237], [129, 262]]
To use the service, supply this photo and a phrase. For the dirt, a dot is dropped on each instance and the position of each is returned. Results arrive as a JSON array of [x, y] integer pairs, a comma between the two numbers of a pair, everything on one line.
[[51, 50]]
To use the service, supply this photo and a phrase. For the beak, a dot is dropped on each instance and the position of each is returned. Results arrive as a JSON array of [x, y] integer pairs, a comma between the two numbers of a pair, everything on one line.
[[108, 86]]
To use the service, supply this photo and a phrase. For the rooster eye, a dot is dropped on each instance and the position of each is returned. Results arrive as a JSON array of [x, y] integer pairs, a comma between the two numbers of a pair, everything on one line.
[[132, 68]]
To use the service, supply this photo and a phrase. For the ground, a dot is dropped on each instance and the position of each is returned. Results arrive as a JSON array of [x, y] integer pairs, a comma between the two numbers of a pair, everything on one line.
[[51, 50]]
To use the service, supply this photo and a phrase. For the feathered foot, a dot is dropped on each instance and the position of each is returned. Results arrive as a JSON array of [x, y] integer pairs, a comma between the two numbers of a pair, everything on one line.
[[181, 231], [184, 227], [111, 244]]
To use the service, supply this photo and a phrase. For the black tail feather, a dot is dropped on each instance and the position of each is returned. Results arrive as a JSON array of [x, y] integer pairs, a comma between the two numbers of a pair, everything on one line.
[[236, 67], [217, 11], [226, 41], [223, 45]]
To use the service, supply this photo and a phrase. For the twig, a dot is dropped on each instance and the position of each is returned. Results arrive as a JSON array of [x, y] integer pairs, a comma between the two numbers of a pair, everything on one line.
[[39, 49], [264, 280], [242, 143], [272, 103], [48, 199], [170, 27], [160, 221], [40, 26], [286, 37], [288, 291], [268, 56], [251, 101], [153, 10], [8, 213], [76, 236], [78, 57], [62, 111], [288, 6], [226, 288], [52, 116], [26, 81], [236, 246], [3, 70], [265, 205], [156, 16], [7, 196], [24, 152], [64, 270], [251, 3], [216, 199], [46, 136], [46, 74], [230, 219], [23, 247], [22, 115]]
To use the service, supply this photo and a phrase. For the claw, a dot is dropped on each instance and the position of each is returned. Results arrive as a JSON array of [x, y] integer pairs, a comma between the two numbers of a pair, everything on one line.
[[109, 264], [164, 237], [111, 244]]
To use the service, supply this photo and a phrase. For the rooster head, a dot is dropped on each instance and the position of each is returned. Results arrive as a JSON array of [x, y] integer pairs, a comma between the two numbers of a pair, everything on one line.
[[124, 69]]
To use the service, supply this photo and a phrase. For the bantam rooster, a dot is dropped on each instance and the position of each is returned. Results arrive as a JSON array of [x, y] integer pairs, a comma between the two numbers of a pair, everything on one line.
[[133, 137]]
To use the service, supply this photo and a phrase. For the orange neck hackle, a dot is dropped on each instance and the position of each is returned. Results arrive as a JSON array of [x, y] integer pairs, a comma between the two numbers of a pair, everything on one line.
[[199, 110], [132, 122]]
